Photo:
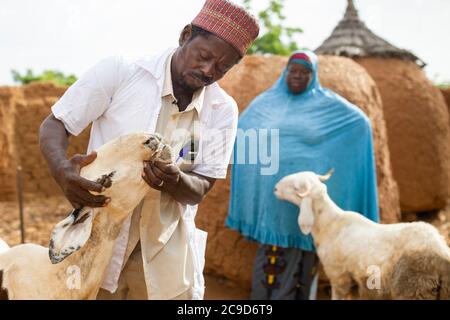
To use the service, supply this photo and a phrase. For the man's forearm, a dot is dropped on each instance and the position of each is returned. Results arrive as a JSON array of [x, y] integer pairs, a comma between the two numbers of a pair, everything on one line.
[[191, 189], [53, 141]]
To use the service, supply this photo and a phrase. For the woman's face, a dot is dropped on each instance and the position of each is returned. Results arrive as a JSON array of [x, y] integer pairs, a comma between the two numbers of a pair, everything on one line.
[[298, 78]]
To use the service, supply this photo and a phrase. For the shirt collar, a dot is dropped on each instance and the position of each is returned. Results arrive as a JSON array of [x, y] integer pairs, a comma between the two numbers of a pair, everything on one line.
[[167, 86], [198, 99], [154, 64]]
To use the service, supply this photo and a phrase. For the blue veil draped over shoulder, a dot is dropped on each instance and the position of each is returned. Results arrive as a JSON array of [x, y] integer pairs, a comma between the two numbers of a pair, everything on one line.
[[318, 130]]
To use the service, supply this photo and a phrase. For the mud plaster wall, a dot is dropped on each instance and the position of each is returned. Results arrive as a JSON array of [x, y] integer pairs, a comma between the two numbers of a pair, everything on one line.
[[417, 121], [27, 108], [9, 97]]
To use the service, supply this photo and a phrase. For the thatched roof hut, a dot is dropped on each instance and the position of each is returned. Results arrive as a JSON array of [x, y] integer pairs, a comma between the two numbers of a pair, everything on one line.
[[351, 38], [415, 112]]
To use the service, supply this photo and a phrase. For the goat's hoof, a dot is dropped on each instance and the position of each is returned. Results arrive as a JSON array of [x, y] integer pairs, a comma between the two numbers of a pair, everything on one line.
[[166, 154], [106, 180], [153, 142]]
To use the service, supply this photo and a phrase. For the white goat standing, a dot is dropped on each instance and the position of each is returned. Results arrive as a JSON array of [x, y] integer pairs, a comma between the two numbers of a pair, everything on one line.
[[364, 259], [81, 245]]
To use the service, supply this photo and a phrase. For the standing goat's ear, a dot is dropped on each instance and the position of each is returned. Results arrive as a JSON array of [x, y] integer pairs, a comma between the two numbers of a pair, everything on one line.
[[306, 216], [303, 189], [71, 234]]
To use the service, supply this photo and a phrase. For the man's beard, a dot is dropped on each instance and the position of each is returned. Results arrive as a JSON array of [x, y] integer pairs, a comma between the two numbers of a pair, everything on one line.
[[185, 85]]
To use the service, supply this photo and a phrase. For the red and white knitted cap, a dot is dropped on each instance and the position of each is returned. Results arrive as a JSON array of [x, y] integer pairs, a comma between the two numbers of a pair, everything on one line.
[[229, 22]]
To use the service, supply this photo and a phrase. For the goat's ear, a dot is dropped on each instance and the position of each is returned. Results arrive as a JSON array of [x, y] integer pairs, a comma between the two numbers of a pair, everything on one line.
[[71, 234], [303, 189], [306, 216]]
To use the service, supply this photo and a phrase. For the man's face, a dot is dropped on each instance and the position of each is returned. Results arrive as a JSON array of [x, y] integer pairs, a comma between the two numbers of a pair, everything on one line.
[[298, 78], [203, 60]]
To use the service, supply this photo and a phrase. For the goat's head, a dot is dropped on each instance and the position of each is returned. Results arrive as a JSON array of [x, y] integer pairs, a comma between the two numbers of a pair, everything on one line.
[[72, 233], [300, 189]]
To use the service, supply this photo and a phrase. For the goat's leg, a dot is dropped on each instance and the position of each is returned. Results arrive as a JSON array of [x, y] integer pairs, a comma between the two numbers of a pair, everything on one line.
[[341, 288], [3, 292], [106, 179]]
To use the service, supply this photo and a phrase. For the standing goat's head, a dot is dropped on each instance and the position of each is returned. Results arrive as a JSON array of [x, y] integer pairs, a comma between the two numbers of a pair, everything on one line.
[[300, 189]]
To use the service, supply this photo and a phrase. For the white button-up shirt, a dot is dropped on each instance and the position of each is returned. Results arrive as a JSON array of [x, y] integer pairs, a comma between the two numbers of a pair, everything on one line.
[[118, 98]]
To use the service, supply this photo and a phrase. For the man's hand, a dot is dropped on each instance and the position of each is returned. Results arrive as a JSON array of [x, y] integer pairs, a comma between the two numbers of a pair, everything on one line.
[[186, 188], [76, 188], [161, 175]]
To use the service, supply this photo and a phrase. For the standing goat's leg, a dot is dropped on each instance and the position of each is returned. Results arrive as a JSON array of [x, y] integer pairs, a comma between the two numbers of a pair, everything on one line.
[[3, 292], [341, 288]]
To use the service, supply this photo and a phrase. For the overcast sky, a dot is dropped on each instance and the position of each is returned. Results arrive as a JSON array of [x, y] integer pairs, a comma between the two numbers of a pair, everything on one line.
[[72, 35]]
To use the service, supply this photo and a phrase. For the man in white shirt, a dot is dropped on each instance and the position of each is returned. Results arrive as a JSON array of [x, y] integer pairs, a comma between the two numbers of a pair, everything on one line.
[[159, 253]]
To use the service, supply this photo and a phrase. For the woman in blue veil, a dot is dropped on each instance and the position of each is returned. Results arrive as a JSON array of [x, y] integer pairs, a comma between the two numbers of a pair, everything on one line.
[[318, 130]]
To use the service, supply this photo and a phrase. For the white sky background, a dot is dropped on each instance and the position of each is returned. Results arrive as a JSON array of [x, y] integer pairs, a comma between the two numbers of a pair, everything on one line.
[[72, 35]]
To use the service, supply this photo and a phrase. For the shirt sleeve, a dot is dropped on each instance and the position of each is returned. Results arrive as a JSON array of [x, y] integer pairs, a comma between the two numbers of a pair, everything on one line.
[[218, 141], [89, 97]]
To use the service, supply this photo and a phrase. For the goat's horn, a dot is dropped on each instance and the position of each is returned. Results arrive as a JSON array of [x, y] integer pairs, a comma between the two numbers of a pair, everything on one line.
[[327, 176]]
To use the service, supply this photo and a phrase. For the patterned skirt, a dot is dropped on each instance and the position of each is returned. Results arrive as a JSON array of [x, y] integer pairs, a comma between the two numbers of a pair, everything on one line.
[[284, 274]]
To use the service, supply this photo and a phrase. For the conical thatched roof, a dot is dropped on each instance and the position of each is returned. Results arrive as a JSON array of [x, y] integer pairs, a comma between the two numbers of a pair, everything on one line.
[[351, 38]]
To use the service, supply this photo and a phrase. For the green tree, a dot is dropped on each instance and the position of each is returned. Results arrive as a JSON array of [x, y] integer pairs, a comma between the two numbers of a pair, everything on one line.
[[444, 85], [53, 76], [275, 37]]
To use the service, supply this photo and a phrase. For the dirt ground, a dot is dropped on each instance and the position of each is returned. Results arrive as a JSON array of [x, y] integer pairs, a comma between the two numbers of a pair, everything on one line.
[[218, 288], [40, 215]]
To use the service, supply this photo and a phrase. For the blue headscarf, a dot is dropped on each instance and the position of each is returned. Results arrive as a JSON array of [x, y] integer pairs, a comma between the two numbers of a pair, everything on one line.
[[318, 130]]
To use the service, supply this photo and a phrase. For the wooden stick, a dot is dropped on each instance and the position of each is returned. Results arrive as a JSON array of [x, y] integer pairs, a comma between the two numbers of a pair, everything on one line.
[[20, 198]]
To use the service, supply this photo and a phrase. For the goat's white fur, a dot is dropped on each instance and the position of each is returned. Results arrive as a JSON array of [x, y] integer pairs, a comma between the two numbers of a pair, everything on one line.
[[413, 258], [3, 246], [84, 241]]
